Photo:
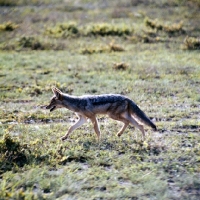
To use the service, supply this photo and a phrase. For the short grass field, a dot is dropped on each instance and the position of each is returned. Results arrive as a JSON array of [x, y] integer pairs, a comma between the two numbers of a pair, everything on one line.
[[146, 50]]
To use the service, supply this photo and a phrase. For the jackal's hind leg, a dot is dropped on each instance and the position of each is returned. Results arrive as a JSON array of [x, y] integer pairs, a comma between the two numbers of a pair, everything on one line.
[[135, 123], [121, 119], [139, 126], [122, 129], [82, 119]]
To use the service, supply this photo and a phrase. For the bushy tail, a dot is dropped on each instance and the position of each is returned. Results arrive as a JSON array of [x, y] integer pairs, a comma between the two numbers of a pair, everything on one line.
[[140, 115]]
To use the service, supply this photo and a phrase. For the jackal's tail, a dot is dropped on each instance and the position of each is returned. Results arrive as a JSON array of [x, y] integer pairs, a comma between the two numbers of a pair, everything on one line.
[[140, 115]]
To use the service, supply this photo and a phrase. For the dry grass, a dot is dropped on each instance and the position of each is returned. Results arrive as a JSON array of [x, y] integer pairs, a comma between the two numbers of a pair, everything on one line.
[[191, 43]]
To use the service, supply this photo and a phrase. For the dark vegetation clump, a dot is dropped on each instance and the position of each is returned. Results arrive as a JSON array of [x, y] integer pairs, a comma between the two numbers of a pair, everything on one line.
[[31, 43], [154, 24], [21, 2], [120, 66], [146, 38], [192, 43], [8, 3], [170, 29], [12, 153], [8, 26], [64, 30], [104, 29], [71, 29], [102, 49]]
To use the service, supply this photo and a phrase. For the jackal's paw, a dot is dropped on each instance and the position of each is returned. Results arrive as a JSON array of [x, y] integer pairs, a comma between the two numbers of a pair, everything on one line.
[[63, 138], [119, 134]]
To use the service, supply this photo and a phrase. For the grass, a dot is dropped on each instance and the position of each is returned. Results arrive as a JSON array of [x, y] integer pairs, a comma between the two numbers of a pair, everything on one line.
[[158, 70]]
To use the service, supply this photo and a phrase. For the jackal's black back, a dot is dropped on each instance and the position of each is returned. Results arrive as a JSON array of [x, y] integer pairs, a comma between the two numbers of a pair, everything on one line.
[[105, 99]]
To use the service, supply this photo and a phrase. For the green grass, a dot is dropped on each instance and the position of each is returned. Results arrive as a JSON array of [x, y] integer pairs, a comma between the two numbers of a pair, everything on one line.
[[159, 71]]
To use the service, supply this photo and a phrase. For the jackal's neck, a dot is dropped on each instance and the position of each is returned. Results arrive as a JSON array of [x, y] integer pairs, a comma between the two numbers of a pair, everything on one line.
[[68, 97]]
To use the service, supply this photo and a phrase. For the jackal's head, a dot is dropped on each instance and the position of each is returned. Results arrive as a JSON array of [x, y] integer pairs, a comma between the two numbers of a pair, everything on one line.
[[56, 100]]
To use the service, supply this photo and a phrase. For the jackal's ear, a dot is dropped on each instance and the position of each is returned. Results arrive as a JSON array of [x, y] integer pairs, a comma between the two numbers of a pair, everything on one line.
[[57, 92]]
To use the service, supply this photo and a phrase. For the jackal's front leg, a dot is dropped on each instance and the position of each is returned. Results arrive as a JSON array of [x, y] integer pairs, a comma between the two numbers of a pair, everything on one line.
[[82, 119], [96, 127]]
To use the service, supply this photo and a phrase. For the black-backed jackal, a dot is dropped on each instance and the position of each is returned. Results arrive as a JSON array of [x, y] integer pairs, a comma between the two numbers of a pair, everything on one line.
[[117, 107]]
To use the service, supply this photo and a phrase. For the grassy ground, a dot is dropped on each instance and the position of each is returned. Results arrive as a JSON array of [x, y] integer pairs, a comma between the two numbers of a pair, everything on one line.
[[143, 49]]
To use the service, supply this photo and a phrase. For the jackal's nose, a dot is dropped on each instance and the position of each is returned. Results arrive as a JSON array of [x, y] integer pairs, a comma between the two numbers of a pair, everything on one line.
[[47, 107]]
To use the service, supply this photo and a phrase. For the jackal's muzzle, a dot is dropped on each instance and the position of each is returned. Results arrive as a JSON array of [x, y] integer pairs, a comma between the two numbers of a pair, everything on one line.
[[50, 107]]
